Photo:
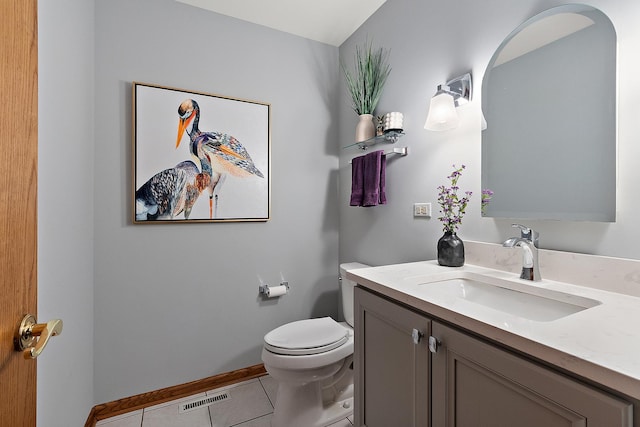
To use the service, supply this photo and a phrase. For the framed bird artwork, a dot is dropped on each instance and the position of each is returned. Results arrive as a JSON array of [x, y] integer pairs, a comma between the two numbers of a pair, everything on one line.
[[199, 157]]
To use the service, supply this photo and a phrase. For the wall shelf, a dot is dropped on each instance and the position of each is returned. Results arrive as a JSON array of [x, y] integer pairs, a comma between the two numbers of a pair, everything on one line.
[[391, 137]]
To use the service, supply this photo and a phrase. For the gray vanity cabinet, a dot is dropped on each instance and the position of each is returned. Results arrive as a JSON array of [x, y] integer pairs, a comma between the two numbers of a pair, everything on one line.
[[464, 382], [482, 385], [392, 384]]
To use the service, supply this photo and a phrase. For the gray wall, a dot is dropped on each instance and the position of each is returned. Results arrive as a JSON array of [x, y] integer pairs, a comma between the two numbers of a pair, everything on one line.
[[427, 49], [65, 209], [176, 303]]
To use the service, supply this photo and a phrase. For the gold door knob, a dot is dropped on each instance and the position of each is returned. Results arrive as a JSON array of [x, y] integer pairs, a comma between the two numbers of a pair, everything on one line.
[[25, 338]]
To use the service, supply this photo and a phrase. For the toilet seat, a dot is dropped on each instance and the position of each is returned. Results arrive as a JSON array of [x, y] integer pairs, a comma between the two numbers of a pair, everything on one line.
[[306, 337]]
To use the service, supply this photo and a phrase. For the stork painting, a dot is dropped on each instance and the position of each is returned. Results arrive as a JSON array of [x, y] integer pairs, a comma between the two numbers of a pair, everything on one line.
[[216, 170]]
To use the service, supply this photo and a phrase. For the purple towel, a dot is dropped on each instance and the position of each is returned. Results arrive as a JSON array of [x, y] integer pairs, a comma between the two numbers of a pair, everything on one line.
[[383, 181], [368, 179], [357, 184]]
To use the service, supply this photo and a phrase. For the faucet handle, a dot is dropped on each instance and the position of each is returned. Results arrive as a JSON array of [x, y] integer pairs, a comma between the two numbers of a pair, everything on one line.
[[523, 229], [527, 233]]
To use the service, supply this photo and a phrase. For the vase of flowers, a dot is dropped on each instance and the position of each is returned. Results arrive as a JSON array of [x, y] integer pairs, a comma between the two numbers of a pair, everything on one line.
[[452, 208], [365, 86], [450, 250]]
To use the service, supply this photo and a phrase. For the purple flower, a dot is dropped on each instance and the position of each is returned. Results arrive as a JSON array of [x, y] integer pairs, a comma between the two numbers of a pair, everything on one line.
[[452, 207], [485, 199]]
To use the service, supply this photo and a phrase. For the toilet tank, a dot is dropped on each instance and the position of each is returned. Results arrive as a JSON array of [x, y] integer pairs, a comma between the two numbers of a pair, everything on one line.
[[346, 289]]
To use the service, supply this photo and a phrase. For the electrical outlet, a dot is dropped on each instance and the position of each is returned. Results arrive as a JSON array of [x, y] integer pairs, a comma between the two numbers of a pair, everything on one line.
[[422, 210]]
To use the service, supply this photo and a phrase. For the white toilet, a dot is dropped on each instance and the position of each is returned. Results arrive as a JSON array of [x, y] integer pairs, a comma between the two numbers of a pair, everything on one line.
[[312, 362]]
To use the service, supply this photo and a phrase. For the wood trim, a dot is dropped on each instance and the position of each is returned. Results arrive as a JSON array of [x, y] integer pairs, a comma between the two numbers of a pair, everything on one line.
[[144, 400]]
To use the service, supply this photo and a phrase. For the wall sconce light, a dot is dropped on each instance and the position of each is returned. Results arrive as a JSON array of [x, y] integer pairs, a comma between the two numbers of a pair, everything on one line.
[[442, 109]]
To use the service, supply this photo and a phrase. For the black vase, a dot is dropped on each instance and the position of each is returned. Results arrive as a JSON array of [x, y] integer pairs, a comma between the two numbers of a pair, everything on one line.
[[450, 250]]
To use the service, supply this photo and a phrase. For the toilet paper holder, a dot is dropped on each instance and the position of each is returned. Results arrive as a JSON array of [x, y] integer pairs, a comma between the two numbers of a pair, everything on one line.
[[265, 291]]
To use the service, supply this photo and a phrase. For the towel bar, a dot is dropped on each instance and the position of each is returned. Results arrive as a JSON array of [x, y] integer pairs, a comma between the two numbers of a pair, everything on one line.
[[402, 151]]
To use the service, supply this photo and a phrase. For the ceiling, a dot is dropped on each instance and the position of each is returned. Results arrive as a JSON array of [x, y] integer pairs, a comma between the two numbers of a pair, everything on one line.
[[326, 21]]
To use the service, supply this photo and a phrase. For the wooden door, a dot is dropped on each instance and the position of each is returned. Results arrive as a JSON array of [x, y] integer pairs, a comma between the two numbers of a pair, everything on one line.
[[18, 216], [391, 371], [476, 384]]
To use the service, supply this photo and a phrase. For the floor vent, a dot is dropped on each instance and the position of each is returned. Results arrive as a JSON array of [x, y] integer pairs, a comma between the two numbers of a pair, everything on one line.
[[203, 402]]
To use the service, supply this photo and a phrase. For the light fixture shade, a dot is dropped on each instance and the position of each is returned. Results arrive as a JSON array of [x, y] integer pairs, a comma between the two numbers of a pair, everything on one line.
[[442, 113]]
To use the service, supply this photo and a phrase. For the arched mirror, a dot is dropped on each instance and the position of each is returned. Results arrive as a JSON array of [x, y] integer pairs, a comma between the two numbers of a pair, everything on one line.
[[549, 100]]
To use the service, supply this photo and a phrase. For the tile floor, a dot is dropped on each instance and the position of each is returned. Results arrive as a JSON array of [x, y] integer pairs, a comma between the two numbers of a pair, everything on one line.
[[250, 405]]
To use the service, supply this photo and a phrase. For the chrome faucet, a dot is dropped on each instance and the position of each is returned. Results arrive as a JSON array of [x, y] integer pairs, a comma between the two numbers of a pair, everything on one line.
[[528, 241]]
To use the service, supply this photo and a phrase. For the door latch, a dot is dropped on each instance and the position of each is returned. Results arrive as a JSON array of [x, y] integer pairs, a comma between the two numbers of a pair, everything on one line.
[[25, 337]]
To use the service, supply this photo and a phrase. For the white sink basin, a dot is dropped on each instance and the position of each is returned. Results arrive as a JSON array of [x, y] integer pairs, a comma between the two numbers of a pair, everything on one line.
[[525, 301]]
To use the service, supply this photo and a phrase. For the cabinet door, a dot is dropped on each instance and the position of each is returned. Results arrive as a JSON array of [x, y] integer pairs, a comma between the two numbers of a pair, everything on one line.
[[476, 384], [391, 371]]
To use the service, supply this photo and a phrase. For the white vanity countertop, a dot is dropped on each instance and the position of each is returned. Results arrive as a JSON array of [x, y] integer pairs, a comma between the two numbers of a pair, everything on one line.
[[601, 343]]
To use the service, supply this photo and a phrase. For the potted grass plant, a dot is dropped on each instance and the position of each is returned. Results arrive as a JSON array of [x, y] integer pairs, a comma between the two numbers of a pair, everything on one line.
[[365, 84]]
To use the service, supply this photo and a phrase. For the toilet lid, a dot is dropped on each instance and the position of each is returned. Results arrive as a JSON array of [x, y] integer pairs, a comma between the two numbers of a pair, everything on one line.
[[310, 336]]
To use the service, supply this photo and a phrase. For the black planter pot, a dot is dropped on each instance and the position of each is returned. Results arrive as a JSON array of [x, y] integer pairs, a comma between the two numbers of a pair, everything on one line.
[[450, 250]]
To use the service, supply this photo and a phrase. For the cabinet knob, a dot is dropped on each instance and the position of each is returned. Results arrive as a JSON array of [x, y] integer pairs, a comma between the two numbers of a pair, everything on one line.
[[433, 344], [416, 335]]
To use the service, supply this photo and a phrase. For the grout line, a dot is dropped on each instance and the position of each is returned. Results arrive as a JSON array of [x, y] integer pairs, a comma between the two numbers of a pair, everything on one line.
[[267, 394], [209, 411], [251, 419]]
